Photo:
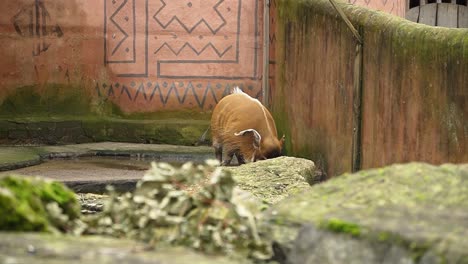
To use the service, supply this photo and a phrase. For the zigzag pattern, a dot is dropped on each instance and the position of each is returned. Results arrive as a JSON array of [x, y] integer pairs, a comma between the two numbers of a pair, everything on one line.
[[177, 52], [189, 30], [161, 92]]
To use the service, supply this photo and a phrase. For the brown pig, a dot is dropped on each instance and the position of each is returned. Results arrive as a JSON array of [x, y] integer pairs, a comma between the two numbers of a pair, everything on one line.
[[242, 126]]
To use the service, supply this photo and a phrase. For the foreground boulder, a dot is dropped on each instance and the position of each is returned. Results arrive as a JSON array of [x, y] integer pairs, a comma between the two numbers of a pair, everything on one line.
[[413, 213], [273, 180], [35, 204]]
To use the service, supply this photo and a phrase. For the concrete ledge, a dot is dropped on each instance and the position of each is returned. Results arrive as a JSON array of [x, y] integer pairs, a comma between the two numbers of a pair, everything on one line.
[[18, 157], [92, 129]]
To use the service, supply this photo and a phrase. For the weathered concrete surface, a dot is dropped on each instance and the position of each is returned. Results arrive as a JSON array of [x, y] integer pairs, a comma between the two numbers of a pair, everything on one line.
[[417, 210], [49, 249], [119, 164], [275, 179], [17, 157]]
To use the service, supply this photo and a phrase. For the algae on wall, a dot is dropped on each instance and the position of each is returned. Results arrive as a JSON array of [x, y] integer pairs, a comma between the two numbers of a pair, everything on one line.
[[62, 114], [414, 87]]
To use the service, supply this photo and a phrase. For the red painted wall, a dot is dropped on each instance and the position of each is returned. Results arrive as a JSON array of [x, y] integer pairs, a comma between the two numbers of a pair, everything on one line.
[[144, 55]]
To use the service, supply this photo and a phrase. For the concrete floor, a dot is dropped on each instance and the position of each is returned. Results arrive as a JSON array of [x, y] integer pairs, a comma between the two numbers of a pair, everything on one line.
[[95, 163]]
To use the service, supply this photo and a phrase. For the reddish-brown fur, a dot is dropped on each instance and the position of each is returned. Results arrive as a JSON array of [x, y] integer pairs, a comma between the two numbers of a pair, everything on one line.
[[239, 112]]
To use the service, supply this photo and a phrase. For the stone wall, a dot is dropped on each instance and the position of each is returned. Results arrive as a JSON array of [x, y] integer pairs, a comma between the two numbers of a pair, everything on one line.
[[414, 87]]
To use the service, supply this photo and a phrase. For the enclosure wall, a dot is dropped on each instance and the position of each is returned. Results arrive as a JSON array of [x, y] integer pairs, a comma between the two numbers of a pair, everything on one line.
[[144, 55], [414, 87], [120, 57]]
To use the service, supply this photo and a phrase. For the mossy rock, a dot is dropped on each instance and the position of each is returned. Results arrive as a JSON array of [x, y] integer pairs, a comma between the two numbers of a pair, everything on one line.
[[26, 204], [275, 179], [416, 209]]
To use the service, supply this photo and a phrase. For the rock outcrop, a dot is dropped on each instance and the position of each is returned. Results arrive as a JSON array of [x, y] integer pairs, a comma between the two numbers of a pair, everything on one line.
[[412, 213], [275, 179]]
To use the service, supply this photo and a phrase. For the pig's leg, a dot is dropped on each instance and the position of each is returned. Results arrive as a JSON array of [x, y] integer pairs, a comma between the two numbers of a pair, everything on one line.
[[229, 154], [218, 151], [240, 158]]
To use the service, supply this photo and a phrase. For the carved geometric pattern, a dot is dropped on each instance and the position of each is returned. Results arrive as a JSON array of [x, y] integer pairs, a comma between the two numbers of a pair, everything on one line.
[[162, 92], [202, 22], [206, 39], [34, 21], [197, 52], [126, 37], [121, 32]]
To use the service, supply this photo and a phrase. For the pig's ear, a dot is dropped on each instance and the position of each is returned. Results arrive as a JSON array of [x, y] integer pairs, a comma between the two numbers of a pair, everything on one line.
[[257, 137]]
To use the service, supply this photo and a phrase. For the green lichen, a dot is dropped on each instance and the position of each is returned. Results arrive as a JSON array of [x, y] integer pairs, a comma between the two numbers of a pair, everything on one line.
[[50, 99], [339, 226], [26, 204]]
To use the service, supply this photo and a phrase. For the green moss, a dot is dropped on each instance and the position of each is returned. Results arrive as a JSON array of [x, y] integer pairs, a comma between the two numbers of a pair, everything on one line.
[[184, 114], [53, 99], [20, 215], [57, 192], [169, 131], [340, 226], [40, 113], [23, 203], [67, 101]]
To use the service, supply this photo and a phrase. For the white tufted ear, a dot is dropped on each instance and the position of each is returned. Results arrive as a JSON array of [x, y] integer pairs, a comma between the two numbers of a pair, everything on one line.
[[257, 136]]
